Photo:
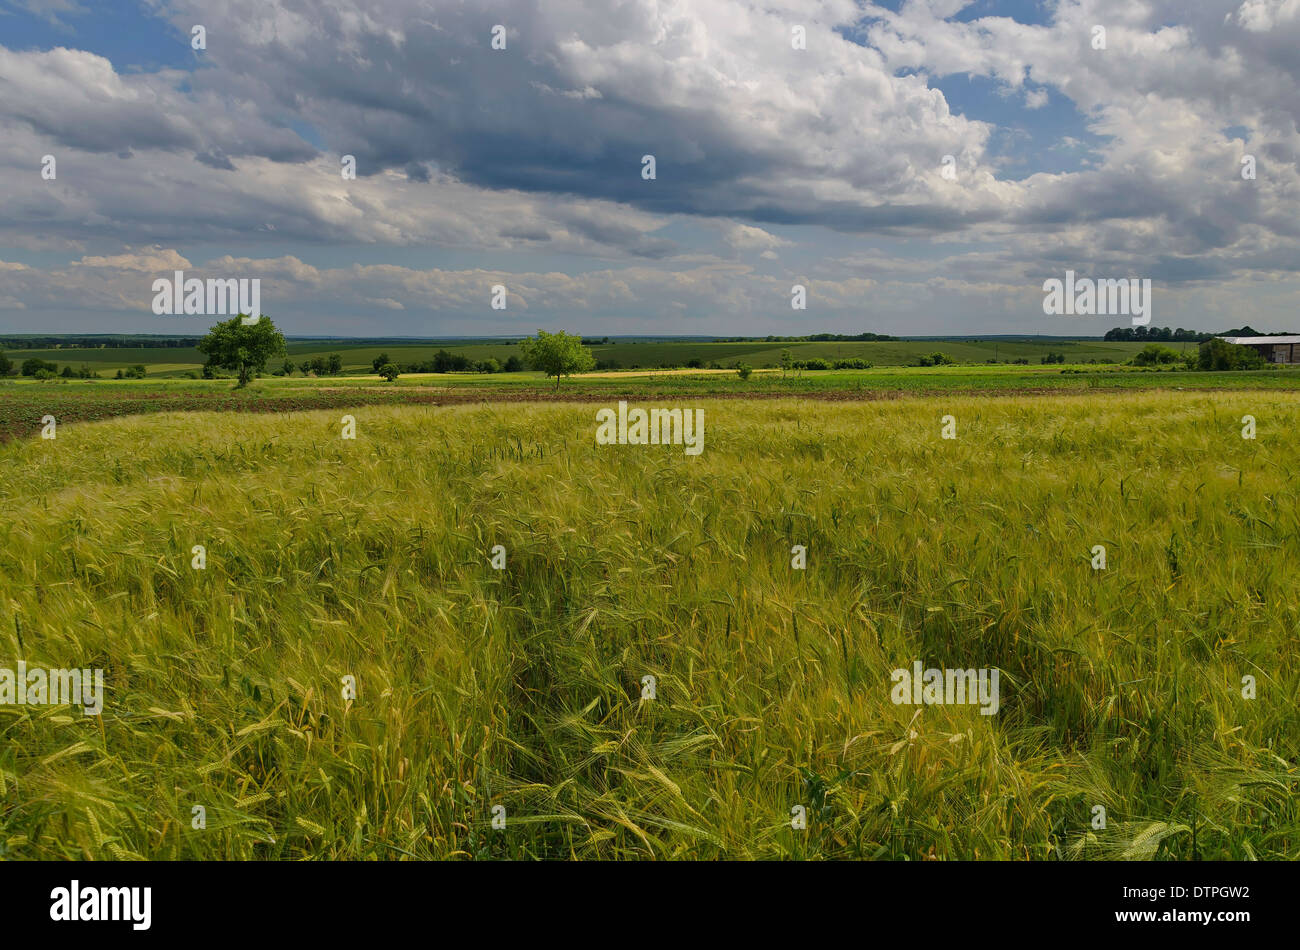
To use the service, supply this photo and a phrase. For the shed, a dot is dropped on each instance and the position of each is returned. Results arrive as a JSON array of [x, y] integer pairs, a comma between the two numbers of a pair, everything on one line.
[[1275, 349]]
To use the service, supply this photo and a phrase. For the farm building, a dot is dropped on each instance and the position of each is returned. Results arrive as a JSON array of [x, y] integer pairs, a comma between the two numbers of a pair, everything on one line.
[[1275, 349]]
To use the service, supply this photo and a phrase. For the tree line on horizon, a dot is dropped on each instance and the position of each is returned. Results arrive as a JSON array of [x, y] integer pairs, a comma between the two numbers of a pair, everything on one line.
[[1166, 335], [146, 341]]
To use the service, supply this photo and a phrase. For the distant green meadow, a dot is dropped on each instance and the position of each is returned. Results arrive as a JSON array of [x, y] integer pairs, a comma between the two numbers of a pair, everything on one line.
[[177, 361]]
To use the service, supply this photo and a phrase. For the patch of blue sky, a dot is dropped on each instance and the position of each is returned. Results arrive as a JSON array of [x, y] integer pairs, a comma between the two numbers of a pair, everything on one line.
[[1028, 12], [1052, 137], [126, 32]]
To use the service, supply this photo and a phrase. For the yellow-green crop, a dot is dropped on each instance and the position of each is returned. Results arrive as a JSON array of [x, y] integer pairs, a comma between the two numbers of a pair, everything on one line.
[[522, 687]]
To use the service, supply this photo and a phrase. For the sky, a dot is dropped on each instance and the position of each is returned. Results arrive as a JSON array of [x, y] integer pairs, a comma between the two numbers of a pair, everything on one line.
[[920, 167]]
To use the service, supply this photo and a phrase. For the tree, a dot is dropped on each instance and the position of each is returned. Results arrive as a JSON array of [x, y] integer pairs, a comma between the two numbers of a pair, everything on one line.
[[379, 361], [488, 365], [744, 370], [444, 362], [335, 364], [67, 371], [389, 371], [6, 364], [787, 362], [513, 365], [1216, 354], [317, 365], [34, 364], [245, 348], [557, 354], [288, 367]]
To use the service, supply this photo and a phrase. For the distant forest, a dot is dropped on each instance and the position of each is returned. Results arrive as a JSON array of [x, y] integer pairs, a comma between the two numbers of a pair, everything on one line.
[[70, 340], [810, 338], [1165, 335], [61, 340]]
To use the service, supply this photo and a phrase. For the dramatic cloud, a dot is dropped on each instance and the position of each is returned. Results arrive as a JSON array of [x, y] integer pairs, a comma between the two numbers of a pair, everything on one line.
[[888, 152]]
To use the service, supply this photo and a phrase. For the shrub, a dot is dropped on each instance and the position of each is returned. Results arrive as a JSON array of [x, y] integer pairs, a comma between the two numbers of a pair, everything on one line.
[[1154, 354], [1217, 355], [744, 370], [389, 371]]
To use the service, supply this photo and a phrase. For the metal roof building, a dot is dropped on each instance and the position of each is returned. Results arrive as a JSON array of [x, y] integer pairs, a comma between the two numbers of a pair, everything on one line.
[[1275, 349]]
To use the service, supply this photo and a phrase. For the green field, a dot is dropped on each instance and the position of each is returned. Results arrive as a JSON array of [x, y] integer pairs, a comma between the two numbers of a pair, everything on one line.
[[523, 687], [25, 402], [650, 354]]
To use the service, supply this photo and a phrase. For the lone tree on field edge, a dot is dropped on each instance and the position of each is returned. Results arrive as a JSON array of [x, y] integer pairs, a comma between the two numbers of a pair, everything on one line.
[[557, 354], [235, 345]]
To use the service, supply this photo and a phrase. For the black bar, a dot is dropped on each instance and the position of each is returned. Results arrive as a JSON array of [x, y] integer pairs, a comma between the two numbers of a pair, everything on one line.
[[943, 900]]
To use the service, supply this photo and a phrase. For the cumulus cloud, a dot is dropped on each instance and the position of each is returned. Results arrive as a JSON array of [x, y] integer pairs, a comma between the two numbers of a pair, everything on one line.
[[831, 154]]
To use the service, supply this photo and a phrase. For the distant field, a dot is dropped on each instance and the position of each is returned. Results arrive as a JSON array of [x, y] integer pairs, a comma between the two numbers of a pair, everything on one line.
[[178, 361]]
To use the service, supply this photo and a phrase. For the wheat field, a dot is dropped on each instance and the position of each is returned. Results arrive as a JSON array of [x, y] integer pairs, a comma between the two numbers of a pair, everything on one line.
[[519, 693]]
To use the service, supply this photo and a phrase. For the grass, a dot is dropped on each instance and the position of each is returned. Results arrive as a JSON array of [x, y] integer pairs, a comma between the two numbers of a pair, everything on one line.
[[521, 687]]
